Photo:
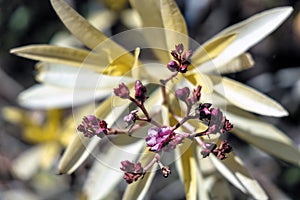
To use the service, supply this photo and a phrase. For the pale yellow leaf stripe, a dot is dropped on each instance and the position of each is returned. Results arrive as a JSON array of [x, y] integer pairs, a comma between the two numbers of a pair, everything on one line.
[[248, 98], [188, 167], [173, 20], [212, 49], [234, 171], [63, 55]]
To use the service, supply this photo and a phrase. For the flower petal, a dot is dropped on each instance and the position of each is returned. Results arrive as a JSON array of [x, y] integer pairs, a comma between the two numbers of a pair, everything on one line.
[[63, 55], [263, 135], [250, 32], [247, 98], [234, 171], [46, 96]]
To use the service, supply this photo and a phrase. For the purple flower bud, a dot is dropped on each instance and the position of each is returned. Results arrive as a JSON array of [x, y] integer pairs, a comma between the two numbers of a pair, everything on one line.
[[196, 94], [140, 91], [209, 147], [187, 55], [130, 119], [203, 111], [183, 68], [122, 91], [183, 93], [179, 48], [172, 66], [132, 171], [166, 171], [92, 126]]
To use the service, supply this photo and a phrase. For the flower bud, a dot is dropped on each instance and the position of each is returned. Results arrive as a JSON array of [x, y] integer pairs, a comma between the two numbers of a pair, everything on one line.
[[122, 91]]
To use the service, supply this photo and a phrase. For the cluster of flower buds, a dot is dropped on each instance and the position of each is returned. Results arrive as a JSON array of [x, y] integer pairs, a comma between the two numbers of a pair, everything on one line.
[[184, 95], [181, 60], [92, 126], [132, 171], [140, 95], [217, 122], [220, 151], [160, 137]]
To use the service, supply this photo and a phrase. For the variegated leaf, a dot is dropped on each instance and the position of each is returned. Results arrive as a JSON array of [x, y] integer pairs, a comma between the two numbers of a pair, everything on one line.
[[92, 37], [173, 20], [187, 167], [70, 77], [212, 49], [263, 135], [248, 98], [234, 171], [251, 31], [63, 55], [105, 173], [138, 190], [47, 96]]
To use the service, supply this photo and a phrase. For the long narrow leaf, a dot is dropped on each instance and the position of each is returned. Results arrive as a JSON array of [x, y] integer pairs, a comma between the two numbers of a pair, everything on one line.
[[251, 31], [63, 55], [234, 171], [263, 135], [173, 20], [248, 99]]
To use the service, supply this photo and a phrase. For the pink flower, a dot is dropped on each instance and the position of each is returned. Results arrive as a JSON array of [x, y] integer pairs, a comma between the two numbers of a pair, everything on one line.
[[130, 119], [158, 138]]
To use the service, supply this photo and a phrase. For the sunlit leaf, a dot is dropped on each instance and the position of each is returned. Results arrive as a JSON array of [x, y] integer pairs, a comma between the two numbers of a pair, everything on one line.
[[70, 77], [234, 171], [263, 135], [187, 165], [63, 55], [248, 98], [240, 63], [173, 20], [203, 80], [92, 37], [138, 190], [105, 173], [79, 148], [251, 31], [212, 49], [46, 96], [77, 25], [152, 18]]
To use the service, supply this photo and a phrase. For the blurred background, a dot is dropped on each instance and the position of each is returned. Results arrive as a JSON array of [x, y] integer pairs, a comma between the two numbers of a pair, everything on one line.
[[24, 22]]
